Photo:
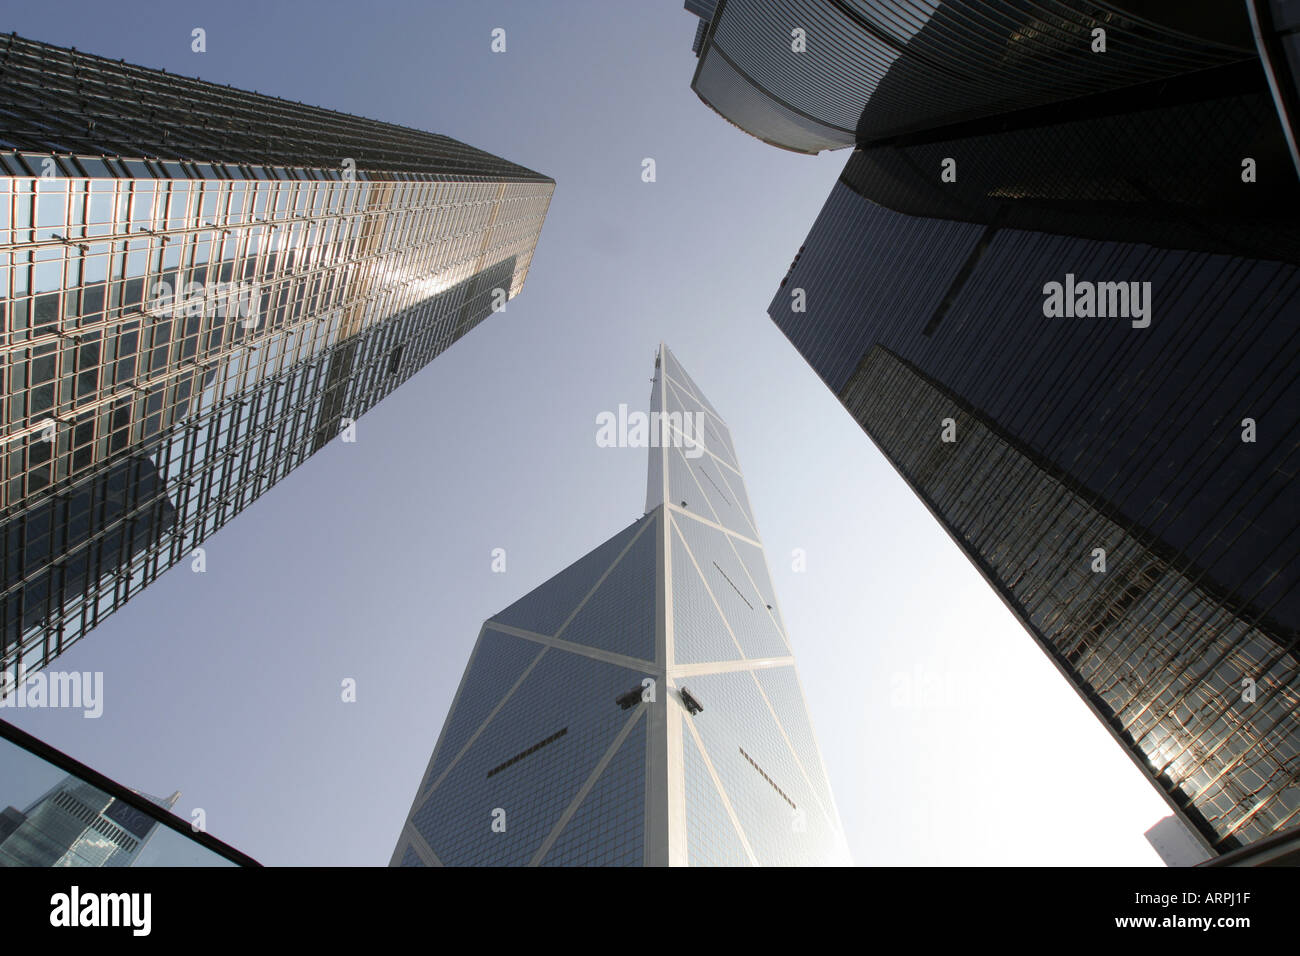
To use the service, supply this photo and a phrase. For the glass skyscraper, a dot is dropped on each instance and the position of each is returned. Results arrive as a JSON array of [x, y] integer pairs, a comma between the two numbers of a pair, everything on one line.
[[199, 288], [1120, 468], [809, 75], [642, 706], [75, 824], [75, 817], [1007, 113]]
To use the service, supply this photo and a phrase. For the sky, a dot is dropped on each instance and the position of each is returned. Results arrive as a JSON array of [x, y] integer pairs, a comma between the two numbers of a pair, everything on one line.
[[949, 737]]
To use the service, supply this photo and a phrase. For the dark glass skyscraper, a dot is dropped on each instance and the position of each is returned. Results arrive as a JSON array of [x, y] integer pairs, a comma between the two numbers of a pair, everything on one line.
[[641, 707], [808, 75], [199, 288], [1057, 286], [1008, 114]]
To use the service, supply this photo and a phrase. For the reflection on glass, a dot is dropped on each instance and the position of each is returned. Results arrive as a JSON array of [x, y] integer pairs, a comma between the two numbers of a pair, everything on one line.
[[50, 817]]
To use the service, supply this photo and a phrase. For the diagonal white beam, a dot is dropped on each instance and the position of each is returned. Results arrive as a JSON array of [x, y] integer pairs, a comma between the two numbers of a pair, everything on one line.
[[722, 793], [683, 406], [790, 745], [585, 789], [771, 612], [727, 667], [573, 647], [596, 587], [677, 509], [481, 727], [416, 843], [708, 590]]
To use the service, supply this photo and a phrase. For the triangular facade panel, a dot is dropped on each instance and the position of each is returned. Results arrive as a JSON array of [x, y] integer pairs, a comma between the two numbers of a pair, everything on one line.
[[723, 507], [699, 630], [608, 828], [510, 788], [756, 570], [679, 374], [411, 858], [784, 696], [619, 616], [545, 609], [684, 489], [779, 815], [734, 486], [743, 608], [711, 835], [703, 426], [498, 661]]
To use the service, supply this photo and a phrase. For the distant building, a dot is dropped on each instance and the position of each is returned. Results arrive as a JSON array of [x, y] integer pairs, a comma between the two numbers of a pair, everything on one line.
[[86, 820], [642, 706], [75, 824]]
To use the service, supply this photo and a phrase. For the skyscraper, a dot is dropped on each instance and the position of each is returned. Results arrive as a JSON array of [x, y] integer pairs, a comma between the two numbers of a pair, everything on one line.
[[1018, 114], [75, 817], [76, 824], [808, 75], [201, 287], [1056, 285], [641, 707]]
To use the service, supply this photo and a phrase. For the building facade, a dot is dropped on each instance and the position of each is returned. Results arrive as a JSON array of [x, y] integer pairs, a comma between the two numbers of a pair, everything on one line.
[[809, 75], [76, 817], [201, 287], [1057, 285], [1120, 466], [75, 824], [1131, 120], [642, 706]]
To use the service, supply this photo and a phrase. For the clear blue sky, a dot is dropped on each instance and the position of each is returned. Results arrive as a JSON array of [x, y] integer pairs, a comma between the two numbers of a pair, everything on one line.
[[948, 736]]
